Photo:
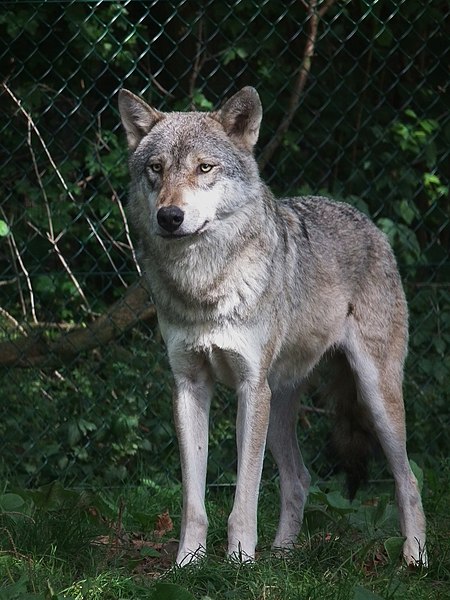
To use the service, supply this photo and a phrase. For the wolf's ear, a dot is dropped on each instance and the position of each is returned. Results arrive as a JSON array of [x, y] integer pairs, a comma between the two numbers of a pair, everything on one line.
[[137, 117], [241, 117]]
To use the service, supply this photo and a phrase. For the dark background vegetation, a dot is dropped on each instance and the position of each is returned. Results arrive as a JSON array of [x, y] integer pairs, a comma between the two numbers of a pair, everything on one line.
[[360, 91]]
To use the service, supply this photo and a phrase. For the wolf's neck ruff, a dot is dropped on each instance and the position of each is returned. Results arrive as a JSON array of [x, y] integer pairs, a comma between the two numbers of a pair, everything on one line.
[[192, 277]]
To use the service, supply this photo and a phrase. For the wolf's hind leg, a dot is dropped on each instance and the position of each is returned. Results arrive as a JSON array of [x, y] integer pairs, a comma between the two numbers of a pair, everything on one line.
[[379, 384], [294, 477]]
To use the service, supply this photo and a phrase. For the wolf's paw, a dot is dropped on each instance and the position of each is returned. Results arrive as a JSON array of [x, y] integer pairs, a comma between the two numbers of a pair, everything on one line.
[[236, 553], [415, 554], [188, 557]]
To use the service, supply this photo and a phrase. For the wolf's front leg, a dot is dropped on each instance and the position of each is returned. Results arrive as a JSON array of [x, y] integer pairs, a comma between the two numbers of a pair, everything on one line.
[[192, 399], [251, 433]]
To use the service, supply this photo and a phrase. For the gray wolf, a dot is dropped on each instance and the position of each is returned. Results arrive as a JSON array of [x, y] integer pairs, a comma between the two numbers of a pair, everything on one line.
[[254, 291]]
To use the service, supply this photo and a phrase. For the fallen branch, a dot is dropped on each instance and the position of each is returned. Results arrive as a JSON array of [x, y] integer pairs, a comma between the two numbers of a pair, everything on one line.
[[314, 16], [37, 351]]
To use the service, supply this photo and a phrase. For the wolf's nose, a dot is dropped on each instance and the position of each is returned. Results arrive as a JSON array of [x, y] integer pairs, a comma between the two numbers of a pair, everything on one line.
[[170, 218]]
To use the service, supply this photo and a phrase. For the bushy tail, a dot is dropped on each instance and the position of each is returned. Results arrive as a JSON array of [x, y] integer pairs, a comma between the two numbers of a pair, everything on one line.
[[353, 440]]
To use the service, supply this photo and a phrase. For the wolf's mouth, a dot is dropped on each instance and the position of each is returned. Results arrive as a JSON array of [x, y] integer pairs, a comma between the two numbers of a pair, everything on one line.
[[181, 235]]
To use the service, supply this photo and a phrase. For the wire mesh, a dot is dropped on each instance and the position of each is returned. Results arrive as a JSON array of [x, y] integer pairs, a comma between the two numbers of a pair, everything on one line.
[[356, 107]]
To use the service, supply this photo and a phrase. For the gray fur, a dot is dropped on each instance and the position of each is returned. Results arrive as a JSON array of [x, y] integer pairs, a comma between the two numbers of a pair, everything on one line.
[[254, 291]]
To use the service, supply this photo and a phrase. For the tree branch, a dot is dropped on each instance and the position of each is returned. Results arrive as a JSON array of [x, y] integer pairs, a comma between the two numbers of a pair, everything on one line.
[[37, 351], [198, 61], [304, 69]]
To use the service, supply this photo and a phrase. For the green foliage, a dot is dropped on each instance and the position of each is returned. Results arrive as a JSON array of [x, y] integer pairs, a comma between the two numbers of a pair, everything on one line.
[[88, 546], [87, 412], [170, 591], [361, 593]]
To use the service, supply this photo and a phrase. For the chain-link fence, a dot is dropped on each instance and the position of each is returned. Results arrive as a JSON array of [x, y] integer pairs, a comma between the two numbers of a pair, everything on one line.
[[356, 107]]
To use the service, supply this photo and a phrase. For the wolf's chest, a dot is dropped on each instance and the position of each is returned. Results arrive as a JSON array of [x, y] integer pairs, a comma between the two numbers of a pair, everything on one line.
[[232, 354]]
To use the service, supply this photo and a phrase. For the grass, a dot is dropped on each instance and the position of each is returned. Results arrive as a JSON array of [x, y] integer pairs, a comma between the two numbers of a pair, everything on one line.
[[63, 544]]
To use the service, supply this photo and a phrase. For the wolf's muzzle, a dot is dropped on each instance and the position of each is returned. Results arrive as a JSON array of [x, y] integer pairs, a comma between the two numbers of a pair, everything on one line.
[[170, 218]]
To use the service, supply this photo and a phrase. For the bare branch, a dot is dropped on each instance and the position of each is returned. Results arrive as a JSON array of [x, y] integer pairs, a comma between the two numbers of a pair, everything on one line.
[[324, 8], [35, 129], [105, 250], [158, 86], [116, 199], [303, 71], [14, 321], [50, 234], [198, 61], [17, 278], [127, 231], [18, 257]]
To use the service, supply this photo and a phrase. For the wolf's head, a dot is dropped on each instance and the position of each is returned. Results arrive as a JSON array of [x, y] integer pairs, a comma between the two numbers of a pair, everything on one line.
[[191, 170]]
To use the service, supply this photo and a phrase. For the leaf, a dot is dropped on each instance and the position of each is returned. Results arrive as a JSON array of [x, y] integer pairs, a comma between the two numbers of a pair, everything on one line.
[[406, 211], [361, 593], [4, 229], [201, 101], [394, 546], [86, 426], [163, 524], [430, 179], [170, 591], [388, 227], [149, 552], [409, 244], [410, 113], [18, 591], [337, 501], [228, 56], [11, 502], [232, 53], [73, 433], [384, 514]]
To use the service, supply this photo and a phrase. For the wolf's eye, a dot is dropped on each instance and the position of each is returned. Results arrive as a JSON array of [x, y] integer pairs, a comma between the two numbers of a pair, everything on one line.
[[205, 167], [156, 167]]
